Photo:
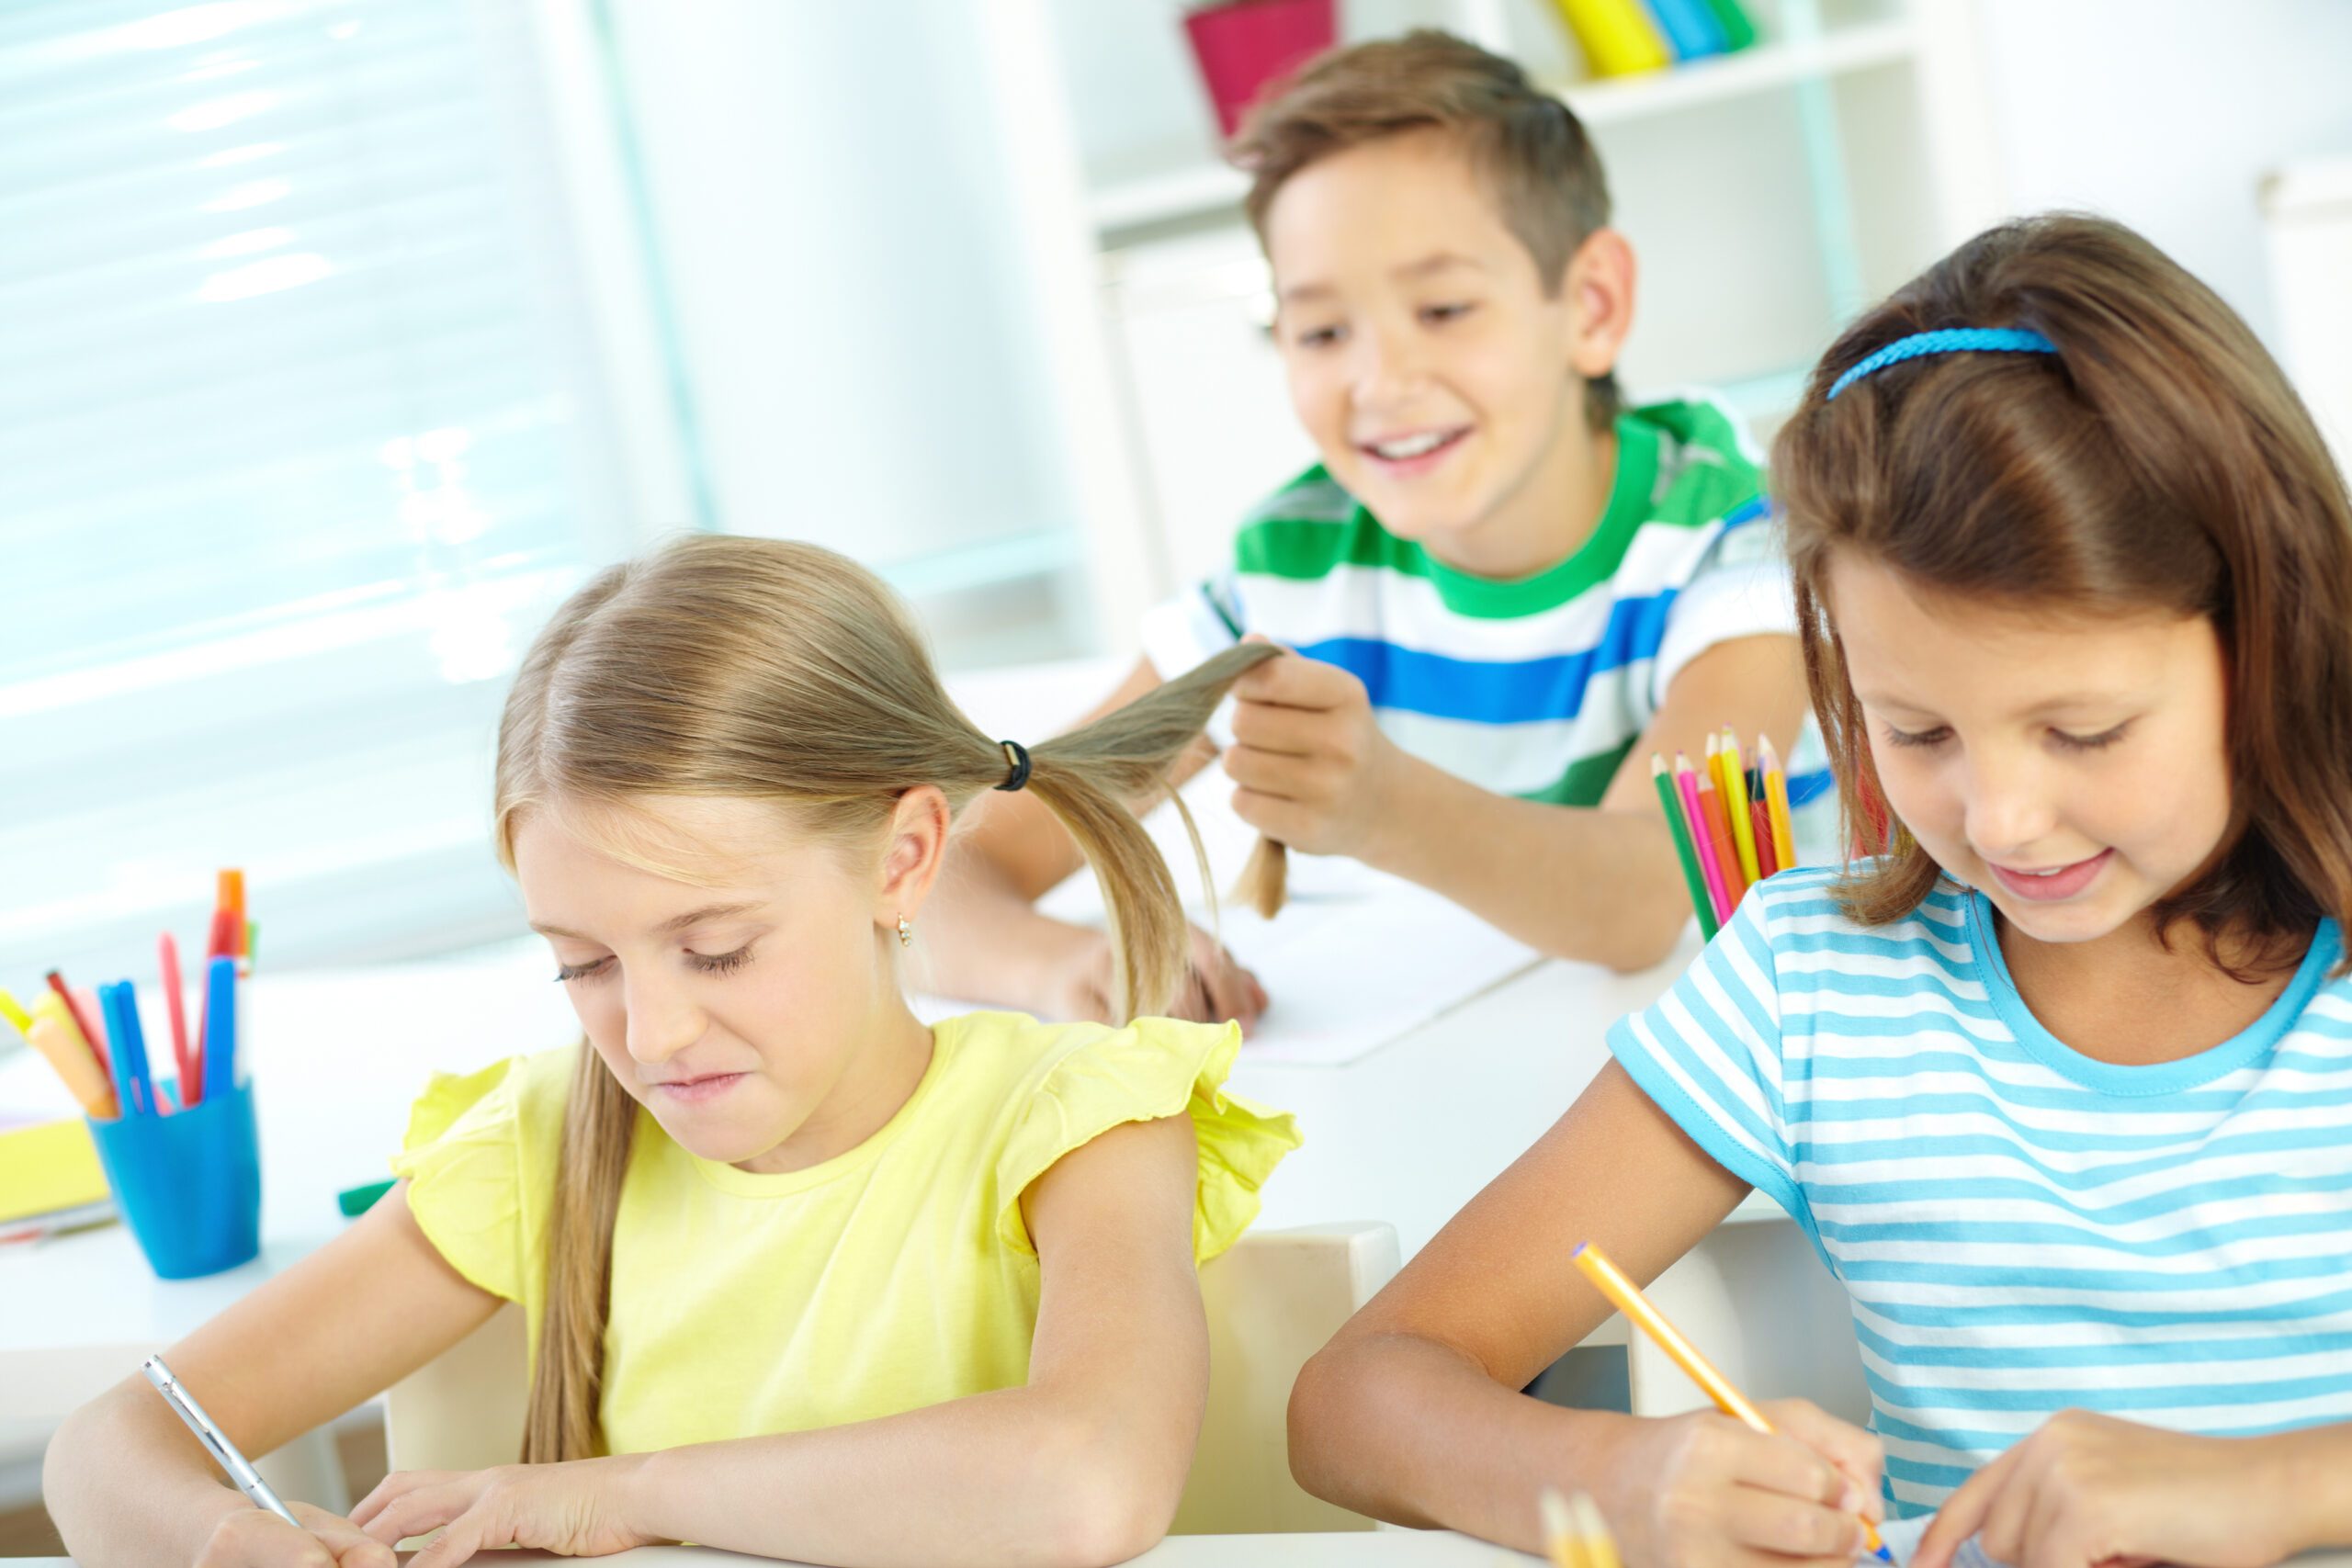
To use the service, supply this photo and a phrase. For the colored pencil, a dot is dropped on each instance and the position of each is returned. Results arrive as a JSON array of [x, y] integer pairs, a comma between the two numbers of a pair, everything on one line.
[[1627, 1298], [1776, 796], [1686, 782], [1702, 901], [1727, 847], [1592, 1531], [1767, 862], [1736, 803], [1561, 1547], [18, 1019]]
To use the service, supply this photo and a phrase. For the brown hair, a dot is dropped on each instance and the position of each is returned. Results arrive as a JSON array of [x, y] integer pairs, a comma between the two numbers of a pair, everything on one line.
[[2157, 461], [1538, 164], [774, 671]]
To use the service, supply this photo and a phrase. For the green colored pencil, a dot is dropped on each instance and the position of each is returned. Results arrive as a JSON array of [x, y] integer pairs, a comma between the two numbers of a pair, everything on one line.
[[1692, 876]]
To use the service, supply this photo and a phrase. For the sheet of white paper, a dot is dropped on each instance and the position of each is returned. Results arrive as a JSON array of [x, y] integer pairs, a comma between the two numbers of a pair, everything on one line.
[[1356, 959], [1345, 976], [1902, 1538]]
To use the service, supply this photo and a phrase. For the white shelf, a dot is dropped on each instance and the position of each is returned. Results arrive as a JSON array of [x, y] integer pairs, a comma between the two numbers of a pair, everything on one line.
[[1621, 99], [1185, 192], [1205, 188]]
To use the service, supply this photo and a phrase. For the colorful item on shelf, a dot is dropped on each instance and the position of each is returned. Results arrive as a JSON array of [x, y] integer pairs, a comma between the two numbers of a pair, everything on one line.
[[1243, 46], [1690, 27], [1732, 22], [1618, 37]]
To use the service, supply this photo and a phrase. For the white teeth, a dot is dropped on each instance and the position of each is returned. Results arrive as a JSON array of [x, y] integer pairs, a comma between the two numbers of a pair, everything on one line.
[[1412, 445]]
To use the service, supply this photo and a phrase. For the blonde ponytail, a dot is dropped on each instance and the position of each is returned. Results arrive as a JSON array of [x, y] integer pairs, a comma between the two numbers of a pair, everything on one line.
[[1087, 776], [776, 670]]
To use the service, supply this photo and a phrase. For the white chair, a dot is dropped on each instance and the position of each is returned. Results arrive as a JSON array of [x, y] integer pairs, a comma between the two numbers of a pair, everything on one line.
[[1756, 1299], [1272, 1301]]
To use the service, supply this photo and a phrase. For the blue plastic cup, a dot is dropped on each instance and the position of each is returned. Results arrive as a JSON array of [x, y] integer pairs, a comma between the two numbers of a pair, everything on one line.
[[188, 1184]]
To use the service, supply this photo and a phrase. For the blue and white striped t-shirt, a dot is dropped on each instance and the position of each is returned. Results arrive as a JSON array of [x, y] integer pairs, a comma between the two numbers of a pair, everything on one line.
[[2021, 1228]]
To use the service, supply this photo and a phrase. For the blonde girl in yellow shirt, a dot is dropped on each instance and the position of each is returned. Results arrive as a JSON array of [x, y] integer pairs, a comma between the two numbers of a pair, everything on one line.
[[805, 1277]]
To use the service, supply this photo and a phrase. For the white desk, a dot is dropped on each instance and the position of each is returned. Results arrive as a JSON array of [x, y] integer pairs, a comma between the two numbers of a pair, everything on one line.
[[1360, 1549], [1406, 1134]]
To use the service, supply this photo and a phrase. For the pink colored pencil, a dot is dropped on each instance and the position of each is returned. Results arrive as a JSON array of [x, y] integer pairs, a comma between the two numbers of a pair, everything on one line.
[[1686, 782]]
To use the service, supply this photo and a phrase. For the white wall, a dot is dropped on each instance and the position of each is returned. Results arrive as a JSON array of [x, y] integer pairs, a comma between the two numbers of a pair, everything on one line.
[[860, 343], [2166, 115]]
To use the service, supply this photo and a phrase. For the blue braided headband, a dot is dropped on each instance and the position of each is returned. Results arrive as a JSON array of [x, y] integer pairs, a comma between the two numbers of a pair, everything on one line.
[[2008, 340]]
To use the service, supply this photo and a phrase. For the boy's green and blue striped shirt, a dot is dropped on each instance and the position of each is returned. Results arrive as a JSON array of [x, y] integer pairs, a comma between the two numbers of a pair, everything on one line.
[[1537, 687]]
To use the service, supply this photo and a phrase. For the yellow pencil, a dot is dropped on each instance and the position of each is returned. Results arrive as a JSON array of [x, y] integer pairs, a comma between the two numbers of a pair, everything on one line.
[[1592, 1529], [1560, 1546], [1776, 804], [1627, 1298], [18, 1019], [1743, 826]]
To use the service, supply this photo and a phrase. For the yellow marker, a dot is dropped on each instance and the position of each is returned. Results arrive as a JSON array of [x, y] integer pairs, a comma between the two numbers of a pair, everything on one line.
[[1627, 1298], [1743, 826], [18, 1019], [52, 1034]]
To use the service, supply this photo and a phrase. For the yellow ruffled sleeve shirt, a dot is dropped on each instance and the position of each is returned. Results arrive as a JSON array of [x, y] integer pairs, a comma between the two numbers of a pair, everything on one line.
[[897, 1275]]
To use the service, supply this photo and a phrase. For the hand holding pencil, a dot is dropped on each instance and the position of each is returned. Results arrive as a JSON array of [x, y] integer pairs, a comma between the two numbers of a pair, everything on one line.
[[1797, 1483]]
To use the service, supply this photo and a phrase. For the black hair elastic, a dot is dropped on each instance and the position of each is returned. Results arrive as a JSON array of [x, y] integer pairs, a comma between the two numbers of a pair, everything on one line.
[[1018, 755]]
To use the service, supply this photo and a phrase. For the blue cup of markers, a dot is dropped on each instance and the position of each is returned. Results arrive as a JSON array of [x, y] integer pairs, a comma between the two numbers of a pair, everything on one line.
[[187, 1184]]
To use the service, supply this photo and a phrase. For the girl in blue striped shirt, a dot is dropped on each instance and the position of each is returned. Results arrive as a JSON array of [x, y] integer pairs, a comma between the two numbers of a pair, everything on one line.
[[2059, 1080]]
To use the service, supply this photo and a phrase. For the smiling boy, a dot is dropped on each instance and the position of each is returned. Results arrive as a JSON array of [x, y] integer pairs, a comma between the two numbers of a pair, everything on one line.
[[1503, 590]]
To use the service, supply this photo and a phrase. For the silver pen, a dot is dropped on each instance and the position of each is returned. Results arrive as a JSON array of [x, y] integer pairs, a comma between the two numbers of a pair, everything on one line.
[[241, 1471]]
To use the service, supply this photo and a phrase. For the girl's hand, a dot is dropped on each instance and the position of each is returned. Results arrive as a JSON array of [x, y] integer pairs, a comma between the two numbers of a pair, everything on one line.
[[1702, 1491], [573, 1508], [1215, 986], [2088, 1489], [256, 1538]]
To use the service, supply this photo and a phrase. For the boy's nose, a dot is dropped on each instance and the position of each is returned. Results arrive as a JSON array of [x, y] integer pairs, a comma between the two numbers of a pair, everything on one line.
[[1387, 365]]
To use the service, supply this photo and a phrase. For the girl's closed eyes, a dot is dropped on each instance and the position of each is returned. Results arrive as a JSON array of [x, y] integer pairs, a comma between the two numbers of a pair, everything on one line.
[[708, 964]]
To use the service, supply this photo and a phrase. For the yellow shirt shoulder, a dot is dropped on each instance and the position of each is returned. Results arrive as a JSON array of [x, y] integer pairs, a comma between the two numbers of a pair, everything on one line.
[[896, 1275]]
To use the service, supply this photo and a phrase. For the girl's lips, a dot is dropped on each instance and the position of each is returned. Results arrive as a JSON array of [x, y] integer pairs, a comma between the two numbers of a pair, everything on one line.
[[2062, 883], [695, 1090]]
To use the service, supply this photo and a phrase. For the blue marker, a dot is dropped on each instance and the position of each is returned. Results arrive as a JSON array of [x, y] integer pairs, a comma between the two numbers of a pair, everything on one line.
[[220, 1026], [134, 1089]]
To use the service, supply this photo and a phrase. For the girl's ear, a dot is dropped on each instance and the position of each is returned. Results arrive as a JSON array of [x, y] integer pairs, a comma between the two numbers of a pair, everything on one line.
[[911, 855]]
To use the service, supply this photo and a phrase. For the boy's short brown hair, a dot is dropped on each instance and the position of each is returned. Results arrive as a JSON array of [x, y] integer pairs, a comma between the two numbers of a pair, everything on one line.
[[1538, 162]]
